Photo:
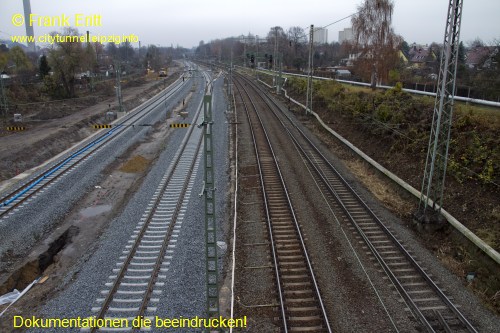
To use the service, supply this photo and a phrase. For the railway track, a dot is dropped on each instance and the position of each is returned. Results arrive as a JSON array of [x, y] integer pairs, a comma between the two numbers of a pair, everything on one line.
[[300, 303], [41, 181], [428, 303], [135, 286]]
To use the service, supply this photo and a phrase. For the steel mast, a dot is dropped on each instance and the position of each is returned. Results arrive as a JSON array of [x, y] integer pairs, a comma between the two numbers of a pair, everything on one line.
[[437, 154], [310, 74]]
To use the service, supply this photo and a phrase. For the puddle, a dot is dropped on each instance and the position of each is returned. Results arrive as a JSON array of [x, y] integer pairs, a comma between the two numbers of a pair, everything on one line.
[[95, 210]]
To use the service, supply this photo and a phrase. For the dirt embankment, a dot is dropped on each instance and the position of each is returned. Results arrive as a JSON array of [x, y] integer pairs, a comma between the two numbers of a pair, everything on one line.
[[67, 247], [393, 127], [53, 127]]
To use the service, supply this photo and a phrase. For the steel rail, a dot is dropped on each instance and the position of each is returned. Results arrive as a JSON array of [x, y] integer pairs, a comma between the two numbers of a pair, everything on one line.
[[268, 219], [296, 224], [27, 188], [390, 235], [175, 214], [112, 292]]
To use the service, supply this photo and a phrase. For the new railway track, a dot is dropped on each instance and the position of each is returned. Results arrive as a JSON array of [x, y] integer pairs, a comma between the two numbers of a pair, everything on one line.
[[428, 303], [301, 308], [16, 198], [135, 286]]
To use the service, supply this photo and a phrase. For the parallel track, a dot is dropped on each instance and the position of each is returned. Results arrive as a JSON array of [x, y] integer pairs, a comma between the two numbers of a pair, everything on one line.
[[301, 306], [16, 198], [427, 302], [135, 286]]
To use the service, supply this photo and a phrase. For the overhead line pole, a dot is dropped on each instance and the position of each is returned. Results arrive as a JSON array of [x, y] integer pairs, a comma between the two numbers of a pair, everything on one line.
[[439, 140], [310, 74], [119, 88], [211, 258], [5, 105], [275, 57]]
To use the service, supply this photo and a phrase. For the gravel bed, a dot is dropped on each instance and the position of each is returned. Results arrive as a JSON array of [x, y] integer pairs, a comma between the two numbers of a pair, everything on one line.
[[349, 296], [348, 282], [470, 305], [184, 294], [252, 286], [83, 282], [22, 230]]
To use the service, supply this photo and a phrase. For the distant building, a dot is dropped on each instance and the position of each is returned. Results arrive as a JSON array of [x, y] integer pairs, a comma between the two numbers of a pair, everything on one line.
[[346, 35], [421, 55], [349, 62], [481, 56], [320, 36]]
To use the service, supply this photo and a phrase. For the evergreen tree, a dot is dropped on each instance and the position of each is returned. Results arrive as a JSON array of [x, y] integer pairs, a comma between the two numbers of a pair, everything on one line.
[[44, 68]]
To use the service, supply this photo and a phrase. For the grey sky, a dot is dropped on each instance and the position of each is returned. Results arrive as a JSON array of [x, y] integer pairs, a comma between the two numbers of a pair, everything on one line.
[[186, 22]]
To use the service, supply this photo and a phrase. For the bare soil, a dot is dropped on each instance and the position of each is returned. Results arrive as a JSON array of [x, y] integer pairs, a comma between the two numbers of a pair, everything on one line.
[[473, 204], [83, 226], [53, 127]]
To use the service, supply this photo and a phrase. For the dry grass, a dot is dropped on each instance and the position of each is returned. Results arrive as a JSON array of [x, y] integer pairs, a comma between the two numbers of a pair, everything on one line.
[[487, 116], [378, 187]]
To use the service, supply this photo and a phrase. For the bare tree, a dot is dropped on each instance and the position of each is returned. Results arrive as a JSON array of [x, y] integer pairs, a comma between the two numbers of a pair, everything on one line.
[[296, 36], [277, 34], [374, 35]]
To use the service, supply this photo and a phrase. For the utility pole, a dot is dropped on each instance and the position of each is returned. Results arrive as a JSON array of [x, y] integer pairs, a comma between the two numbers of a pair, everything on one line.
[[231, 76], [5, 106], [119, 88], [91, 71], [275, 58], [256, 57], [310, 73], [245, 52], [439, 140], [280, 77]]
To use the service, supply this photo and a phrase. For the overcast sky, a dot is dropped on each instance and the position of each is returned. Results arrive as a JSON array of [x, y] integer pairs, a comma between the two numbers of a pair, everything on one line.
[[186, 22]]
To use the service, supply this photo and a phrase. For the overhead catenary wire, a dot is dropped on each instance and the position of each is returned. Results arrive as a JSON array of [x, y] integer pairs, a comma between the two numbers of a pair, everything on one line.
[[326, 26]]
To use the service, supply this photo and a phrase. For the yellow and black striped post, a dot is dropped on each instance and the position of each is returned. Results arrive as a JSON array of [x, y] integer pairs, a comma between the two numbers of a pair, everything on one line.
[[102, 126], [16, 128], [179, 125]]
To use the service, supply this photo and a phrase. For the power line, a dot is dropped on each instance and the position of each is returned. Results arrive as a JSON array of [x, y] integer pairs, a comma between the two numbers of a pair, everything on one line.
[[339, 20], [306, 28]]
